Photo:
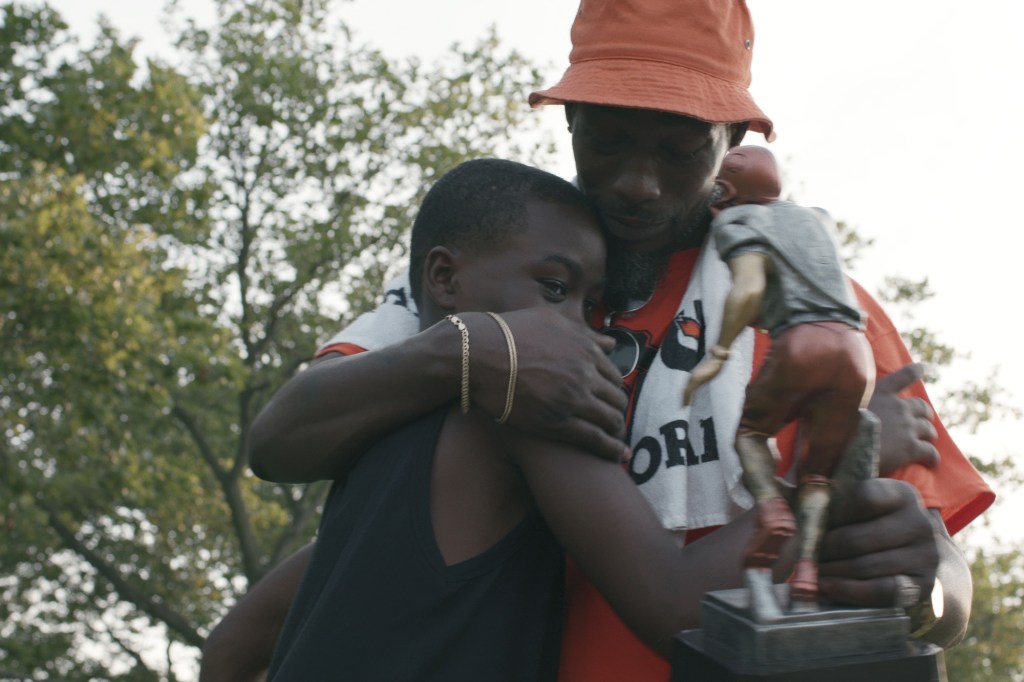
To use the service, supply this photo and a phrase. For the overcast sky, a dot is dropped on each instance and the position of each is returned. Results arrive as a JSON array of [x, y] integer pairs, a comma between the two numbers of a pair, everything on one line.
[[901, 118]]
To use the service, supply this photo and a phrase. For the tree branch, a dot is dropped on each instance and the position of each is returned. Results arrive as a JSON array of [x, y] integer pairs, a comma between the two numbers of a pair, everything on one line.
[[284, 298], [124, 589], [228, 480], [303, 511]]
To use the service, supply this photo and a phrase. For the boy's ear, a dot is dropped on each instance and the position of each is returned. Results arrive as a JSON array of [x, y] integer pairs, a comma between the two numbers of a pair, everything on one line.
[[439, 271]]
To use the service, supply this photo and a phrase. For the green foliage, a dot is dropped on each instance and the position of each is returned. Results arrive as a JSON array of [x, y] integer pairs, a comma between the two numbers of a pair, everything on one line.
[[971, 403], [991, 648], [851, 244], [174, 242]]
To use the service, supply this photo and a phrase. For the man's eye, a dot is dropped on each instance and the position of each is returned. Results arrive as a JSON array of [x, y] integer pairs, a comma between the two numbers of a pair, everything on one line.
[[682, 154], [555, 288], [604, 144]]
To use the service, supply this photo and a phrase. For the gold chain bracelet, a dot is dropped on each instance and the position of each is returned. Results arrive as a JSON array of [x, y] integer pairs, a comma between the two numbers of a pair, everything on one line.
[[464, 388], [513, 367]]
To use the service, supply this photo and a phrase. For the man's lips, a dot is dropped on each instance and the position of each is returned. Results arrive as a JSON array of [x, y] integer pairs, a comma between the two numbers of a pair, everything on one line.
[[635, 222]]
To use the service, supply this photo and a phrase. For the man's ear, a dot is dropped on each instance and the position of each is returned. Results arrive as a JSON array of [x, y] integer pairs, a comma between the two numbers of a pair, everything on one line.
[[737, 132], [728, 193], [439, 271]]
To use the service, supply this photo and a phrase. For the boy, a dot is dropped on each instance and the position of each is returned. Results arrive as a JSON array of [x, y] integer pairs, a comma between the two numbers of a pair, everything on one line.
[[433, 561]]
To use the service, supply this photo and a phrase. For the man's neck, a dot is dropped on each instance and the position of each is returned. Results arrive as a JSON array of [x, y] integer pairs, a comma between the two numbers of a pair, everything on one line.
[[692, 239]]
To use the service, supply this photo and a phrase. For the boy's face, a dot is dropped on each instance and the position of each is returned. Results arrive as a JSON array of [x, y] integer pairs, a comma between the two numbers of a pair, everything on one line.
[[557, 261]]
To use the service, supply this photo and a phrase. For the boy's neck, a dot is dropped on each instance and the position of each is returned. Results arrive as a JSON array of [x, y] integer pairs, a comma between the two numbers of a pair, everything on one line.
[[430, 315]]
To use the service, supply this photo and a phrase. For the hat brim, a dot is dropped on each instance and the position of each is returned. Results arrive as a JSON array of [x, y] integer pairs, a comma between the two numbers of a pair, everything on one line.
[[662, 86]]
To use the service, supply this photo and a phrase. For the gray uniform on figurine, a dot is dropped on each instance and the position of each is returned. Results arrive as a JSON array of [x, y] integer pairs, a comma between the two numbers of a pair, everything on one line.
[[787, 277]]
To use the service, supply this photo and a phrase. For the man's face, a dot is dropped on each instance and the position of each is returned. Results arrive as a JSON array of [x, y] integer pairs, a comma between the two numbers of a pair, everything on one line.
[[557, 261], [649, 172]]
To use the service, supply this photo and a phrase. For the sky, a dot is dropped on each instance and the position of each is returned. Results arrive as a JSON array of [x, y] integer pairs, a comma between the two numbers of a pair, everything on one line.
[[901, 118]]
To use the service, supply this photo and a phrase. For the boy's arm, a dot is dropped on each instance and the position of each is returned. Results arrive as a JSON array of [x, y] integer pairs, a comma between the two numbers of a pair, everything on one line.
[[240, 647], [655, 586], [318, 423]]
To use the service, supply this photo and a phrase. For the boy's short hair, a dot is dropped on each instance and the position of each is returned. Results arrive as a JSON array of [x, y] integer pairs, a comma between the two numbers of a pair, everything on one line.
[[478, 204]]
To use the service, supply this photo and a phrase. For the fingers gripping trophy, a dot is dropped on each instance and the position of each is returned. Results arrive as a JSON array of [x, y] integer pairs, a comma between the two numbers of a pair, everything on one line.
[[787, 278]]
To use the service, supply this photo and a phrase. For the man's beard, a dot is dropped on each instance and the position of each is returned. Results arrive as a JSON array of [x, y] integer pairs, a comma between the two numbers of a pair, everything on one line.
[[633, 276]]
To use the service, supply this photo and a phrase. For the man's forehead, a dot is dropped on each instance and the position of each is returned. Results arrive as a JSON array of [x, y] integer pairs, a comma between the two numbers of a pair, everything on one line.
[[629, 115], [542, 213]]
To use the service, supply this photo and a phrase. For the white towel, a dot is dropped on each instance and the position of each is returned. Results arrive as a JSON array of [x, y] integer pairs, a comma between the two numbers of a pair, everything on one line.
[[685, 487], [683, 496], [396, 318]]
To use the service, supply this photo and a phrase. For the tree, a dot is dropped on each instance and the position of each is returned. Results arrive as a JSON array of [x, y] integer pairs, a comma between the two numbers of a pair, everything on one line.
[[991, 648], [175, 241]]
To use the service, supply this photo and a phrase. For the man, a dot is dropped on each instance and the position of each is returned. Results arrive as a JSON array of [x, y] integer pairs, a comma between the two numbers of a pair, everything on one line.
[[655, 95]]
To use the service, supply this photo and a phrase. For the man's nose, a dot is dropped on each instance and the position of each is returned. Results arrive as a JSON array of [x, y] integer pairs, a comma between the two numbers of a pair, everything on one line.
[[637, 181]]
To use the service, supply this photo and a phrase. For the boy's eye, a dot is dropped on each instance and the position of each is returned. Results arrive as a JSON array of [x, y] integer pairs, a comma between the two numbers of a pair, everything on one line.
[[589, 306]]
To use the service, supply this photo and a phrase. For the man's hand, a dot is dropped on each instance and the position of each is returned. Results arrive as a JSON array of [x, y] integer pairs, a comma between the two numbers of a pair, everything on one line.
[[907, 430], [881, 532], [567, 390]]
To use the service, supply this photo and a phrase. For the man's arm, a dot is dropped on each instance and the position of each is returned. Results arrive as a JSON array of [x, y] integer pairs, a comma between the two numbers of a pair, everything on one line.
[[862, 554], [907, 437], [568, 390], [240, 647], [656, 586], [954, 574]]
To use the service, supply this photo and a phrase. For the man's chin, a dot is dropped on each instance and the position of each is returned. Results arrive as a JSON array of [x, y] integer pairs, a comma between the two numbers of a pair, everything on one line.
[[633, 274], [654, 239]]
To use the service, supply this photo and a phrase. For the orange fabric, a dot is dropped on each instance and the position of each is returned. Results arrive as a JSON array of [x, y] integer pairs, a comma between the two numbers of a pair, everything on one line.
[[653, 317], [954, 487], [341, 348], [633, 54], [598, 647]]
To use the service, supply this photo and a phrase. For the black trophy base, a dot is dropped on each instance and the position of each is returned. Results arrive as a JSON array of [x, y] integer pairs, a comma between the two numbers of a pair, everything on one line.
[[833, 644], [920, 662]]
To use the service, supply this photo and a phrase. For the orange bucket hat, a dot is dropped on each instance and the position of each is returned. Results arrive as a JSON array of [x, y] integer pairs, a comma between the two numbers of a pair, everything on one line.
[[689, 57]]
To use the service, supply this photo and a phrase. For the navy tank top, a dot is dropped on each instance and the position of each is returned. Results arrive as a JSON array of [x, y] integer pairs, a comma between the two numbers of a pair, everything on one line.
[[377, 601]]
